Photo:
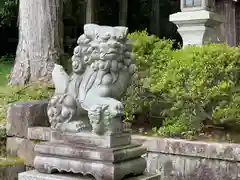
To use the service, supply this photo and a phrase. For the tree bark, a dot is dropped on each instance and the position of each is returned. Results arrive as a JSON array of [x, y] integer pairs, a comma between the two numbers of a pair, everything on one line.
[[40, 41], [155, 20], [91, 11], [123, 12]]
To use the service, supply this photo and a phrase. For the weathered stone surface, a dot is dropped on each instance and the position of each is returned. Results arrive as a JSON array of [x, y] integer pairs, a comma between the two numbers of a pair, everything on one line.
[[30, 175], [108, 141], [99, 169], [197, 149], [39, 133], [22, 148], [102, 163], [88, 100], [21, 115], [12, 146], [182, 160], [177, 159], [35, 175], [90, 153], [89, 139], [26, 152], [10, 171], [172, 167], [146, 176]]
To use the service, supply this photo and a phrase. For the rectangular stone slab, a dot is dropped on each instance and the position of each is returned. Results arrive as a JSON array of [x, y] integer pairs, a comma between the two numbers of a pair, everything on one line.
[[88, 152], [107, 141], [22, 115], [30, 175], [101, 170]]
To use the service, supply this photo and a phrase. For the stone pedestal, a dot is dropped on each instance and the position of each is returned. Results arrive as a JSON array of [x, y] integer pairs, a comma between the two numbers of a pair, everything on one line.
[[30, 175], [111, 157], [198, 27]]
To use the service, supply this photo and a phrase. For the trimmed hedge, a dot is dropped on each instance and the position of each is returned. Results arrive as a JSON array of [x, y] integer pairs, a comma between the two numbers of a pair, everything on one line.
[[198, 85]]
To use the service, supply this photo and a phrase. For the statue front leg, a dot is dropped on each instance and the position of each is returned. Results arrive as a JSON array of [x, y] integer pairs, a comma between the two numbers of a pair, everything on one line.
[[67, 115], [105, 116]]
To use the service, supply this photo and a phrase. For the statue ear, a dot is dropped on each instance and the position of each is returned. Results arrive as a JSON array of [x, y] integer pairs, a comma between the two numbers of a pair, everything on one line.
[[90, 30], [123, 31]]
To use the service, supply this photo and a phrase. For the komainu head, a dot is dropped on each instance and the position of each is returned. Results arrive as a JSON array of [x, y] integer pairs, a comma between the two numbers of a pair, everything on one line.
[[103, 48]]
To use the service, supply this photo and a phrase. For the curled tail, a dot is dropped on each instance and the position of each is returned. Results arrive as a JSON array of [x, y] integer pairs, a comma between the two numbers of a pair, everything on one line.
[[60, 79]]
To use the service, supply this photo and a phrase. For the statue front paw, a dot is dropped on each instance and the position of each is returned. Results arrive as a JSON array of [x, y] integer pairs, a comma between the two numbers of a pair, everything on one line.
[[83, 127], [61, 109], [116, 109]]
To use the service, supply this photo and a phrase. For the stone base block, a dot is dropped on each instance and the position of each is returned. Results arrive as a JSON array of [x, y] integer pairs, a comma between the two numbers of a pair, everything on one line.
[[30, 175], [101, 163], [22, 115], [108, 141], [12, 146], [22, 148], [89, 139], [39, 133], [98, 169], [9, 169], [78, 151]]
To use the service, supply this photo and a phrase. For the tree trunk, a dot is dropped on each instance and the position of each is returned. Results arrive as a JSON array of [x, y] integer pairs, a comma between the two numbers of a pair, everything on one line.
[[155, 21], [91, 11], [227, 9], [40, 41], [123, 12]]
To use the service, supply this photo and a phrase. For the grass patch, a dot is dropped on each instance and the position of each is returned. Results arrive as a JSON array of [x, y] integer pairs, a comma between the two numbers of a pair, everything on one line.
[[11, 94], [5, 68]]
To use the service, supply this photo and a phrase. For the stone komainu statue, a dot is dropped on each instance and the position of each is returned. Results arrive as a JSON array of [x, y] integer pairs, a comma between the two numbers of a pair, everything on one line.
[[89, 99]]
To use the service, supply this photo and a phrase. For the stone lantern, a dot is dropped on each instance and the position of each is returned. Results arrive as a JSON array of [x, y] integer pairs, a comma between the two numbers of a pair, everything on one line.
[[198, 22], [194, 5]]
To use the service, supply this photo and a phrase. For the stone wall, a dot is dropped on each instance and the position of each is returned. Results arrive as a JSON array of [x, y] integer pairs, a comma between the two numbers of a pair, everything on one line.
[[190, 160], [9, 168], [174, 159], [20, 117]]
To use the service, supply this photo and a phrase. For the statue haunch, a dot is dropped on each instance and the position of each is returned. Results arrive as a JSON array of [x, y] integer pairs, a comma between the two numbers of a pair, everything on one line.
[[89, 99]]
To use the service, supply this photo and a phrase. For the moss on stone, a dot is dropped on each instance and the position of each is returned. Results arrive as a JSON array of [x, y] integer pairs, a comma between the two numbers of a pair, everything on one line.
[[10, 161], [36, 141]]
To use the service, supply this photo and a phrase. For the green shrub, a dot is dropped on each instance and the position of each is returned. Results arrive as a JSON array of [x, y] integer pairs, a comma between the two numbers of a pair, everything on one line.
[[202, 84], [192, 87], [8, 12], [147, 49]]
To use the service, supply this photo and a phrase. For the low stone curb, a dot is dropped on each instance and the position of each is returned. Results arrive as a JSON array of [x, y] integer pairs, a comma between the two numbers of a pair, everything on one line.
[[220, 151], [200, 149]]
